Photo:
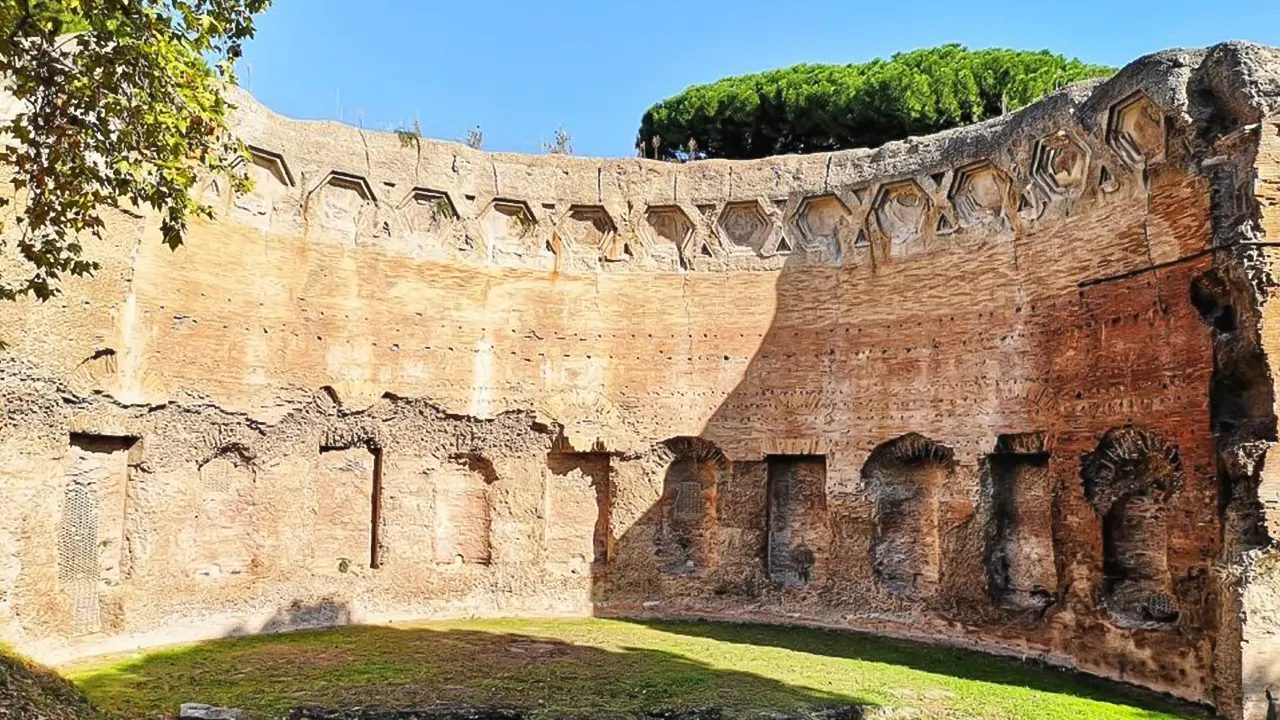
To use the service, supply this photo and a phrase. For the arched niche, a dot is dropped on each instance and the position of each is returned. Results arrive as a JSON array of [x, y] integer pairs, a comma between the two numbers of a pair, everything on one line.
[[904, 478], [687, 510], [1129, 479], [225, 518]]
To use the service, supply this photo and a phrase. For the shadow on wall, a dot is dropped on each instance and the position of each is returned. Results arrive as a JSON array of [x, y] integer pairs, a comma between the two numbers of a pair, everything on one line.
[[881, 467]]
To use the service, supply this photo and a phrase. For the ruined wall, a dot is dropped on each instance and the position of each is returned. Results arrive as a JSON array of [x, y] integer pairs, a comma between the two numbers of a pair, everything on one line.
[[1005, 387]]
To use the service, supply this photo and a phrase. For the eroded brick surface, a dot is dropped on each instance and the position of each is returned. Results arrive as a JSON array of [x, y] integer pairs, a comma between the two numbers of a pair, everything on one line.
[[1007, 387]]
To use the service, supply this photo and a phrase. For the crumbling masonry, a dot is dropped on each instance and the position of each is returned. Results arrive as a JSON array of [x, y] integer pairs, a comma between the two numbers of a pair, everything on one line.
[[1008, 387]]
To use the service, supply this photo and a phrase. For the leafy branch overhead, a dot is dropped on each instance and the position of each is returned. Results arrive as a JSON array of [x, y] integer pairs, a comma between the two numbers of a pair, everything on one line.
[[118, 104], [813, 108]]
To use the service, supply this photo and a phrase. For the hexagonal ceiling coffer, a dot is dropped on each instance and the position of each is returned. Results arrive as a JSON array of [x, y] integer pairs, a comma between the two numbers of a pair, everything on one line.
[[1059, 163], [340, 196], [590, 227], [978, 193], [745, 225], [273, 163], [271, 179], [437, 200], [901, 209], [670, 223], [1135, 129], [517, 210], [509, 229], [819, 218], [350, 182], [427, 209]]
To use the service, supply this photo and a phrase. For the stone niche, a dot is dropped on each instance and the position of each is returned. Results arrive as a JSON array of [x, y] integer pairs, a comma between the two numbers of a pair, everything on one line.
[[1021, 573], [686, 540], [347, 484], [1129, 479], [578, 498], [91, 540], [904, 478], [226, 522], [464, 511], [1086, 276], [797, 516]]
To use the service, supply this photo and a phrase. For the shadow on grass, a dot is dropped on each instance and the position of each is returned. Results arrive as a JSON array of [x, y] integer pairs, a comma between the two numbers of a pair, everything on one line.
[[30, 690], [944, 661], [597, 668], [379, 666]]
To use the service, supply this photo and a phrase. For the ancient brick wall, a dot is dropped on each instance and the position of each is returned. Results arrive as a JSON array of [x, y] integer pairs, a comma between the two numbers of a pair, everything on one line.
[[1005, 387]]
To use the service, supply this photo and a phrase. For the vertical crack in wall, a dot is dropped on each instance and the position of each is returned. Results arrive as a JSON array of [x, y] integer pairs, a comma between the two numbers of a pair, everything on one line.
[[364, 142]]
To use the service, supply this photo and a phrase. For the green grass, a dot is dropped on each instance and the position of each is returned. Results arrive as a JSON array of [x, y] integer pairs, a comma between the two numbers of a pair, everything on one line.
[[601, 668]]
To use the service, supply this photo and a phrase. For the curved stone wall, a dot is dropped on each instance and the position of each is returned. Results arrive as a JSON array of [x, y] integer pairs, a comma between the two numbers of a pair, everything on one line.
[[1005, 387]]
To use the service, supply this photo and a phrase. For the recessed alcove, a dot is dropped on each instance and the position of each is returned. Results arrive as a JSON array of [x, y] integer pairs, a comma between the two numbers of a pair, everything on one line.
[[1021, 573], [91, 531], [687, 508], [797, 515], [904, 478], [463, 511], [578, 530], [1129, 479]]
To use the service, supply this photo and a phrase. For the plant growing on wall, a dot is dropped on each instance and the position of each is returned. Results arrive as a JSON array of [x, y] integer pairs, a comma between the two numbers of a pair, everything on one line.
[[560, 144], [112, 104], [410, 136], [812, 108]]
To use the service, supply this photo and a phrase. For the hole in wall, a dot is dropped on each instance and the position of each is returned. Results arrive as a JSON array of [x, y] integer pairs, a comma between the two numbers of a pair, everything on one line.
[[1213, 299], [1240, 392]]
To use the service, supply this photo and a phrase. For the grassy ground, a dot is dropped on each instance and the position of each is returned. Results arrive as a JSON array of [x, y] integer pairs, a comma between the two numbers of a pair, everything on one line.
[[600, 668], [31, 692]]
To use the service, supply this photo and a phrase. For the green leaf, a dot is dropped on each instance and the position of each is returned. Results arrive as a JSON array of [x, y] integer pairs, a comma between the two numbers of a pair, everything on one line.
[[128, 111]]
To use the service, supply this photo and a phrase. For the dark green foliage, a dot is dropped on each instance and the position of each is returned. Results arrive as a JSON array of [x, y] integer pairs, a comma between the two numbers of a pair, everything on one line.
[[31, 692], [812, 108]]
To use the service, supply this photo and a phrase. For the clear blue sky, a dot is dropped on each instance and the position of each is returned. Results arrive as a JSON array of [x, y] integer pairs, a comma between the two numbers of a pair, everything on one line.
[[521, 69]]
